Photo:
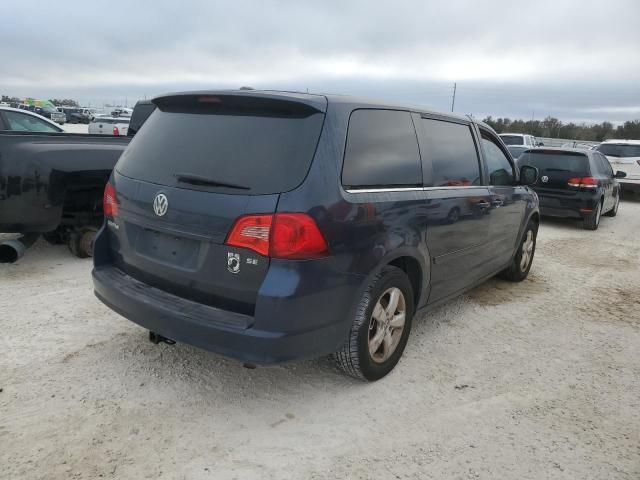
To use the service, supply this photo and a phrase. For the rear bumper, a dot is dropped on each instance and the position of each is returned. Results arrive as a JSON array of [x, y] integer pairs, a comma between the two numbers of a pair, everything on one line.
[[285, 327], [574, 206], [560, 212]]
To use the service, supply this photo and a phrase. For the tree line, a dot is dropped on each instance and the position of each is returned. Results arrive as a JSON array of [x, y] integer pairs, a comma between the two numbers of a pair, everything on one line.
[[554, 128], [69, 102]]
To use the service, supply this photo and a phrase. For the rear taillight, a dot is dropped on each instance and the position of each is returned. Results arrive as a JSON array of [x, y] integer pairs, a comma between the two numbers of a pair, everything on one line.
[[282, 235], [252, 232], [583, 182], [110, 201], [116, 132]]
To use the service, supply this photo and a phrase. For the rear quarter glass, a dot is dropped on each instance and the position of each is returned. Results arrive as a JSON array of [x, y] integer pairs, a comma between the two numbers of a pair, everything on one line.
[[264, 153]]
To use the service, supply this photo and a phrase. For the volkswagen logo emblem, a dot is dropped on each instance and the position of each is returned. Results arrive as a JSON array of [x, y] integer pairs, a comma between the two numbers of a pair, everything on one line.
[[544, 179], [160, 204]]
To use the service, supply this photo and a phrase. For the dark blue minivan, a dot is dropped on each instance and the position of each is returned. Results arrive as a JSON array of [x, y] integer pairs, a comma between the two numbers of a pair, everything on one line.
[[271, 226]]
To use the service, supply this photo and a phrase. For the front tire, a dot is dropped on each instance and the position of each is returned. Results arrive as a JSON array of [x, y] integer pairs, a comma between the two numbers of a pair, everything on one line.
[[381, 327], [522, 260]]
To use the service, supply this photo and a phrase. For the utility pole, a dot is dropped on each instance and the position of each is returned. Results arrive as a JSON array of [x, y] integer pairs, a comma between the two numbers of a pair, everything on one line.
[[453, 100]]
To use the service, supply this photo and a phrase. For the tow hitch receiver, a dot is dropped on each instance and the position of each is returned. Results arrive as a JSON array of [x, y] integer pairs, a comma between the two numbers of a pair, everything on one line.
[[157, 338]]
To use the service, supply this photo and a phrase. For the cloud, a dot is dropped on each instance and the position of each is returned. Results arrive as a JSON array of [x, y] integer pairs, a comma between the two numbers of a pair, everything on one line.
[[574, 58]]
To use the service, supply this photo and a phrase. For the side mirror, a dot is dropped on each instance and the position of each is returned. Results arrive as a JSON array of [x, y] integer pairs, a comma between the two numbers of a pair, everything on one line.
[[620, 174], [528, 175]]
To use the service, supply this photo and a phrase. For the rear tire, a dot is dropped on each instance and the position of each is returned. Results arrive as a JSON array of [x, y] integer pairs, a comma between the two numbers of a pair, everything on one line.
[[614, 211], [592, 221], [381, 327], [523, 259], [81, 242]]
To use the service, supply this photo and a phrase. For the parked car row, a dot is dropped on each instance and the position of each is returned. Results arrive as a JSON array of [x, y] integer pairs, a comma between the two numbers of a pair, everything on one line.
[[47, 111], [77, 115], [574, 183], [583, 180]]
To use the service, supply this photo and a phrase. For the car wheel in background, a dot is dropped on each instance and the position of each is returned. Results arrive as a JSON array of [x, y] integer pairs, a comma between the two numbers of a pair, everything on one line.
[[453, 216], [614, 211], [592, 221], [522, 260], [81, 242], [380, 328]]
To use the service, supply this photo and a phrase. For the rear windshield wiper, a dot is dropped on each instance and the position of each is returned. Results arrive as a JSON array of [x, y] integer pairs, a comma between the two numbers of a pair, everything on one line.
[[206, 182], [556, 170]]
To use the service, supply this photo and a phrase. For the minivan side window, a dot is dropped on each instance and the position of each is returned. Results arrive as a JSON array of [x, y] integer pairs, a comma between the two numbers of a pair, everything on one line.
[[452, 152], [382, 150], [499, 166]]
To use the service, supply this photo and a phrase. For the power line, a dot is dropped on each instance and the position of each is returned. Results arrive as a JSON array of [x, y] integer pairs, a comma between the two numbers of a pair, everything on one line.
[[453, 100]]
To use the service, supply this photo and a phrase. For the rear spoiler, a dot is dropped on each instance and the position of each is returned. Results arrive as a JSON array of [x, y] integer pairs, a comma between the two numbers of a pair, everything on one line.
[[243, 103]]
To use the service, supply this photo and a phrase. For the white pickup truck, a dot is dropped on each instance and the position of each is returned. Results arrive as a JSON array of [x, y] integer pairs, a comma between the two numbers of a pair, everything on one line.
[[624, 155], [109, 126]]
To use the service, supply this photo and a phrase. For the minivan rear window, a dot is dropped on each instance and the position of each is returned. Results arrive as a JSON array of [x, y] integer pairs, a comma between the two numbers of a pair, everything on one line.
[[512, 139], [551, 161], [234, 152]]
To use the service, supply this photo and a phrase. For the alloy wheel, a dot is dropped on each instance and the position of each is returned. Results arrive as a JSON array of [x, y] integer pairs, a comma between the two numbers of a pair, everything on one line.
[[527, 251], [387, 324]]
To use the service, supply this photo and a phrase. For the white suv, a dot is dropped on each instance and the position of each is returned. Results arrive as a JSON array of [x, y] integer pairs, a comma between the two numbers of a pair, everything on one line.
[[624, 155], [521, 139]]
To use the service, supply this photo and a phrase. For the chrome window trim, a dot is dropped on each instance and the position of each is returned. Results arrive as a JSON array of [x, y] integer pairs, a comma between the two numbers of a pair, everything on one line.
[[384, 190], [455, 188], [409, 189]]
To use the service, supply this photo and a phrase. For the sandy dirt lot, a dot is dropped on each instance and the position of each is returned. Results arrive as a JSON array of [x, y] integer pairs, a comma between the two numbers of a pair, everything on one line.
[[511, 381]]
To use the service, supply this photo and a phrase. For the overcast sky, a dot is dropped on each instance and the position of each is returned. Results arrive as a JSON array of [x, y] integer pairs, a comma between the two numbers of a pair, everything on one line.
[[576, 60]]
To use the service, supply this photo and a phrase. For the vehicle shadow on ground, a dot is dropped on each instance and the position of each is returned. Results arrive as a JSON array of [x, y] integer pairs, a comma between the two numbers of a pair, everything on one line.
[[181, 371]]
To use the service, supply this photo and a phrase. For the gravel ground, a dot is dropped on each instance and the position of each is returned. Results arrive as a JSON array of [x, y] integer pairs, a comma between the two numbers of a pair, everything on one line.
[[512, 381]]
